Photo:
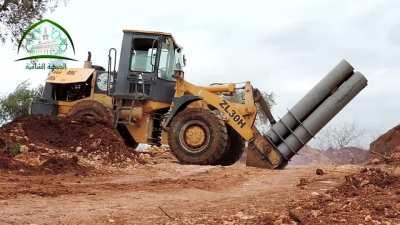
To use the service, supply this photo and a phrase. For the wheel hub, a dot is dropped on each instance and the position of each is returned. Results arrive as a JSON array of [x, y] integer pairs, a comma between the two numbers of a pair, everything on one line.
[[194, 136]]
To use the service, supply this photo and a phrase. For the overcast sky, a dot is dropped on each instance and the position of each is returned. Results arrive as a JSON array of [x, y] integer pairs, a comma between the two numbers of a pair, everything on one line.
[[281, 46]]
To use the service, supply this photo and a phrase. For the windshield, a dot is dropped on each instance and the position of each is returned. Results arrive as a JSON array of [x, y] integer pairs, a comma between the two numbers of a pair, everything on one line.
[[143, 55], [167, 60], [171, 59]]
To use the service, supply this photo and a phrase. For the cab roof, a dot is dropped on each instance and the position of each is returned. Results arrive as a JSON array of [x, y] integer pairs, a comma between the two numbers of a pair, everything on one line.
[[147, 32], [152, 32]]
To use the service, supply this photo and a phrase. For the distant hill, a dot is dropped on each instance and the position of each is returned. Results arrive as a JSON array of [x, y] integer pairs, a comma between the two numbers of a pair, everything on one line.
[[310, 156], [313, 156]]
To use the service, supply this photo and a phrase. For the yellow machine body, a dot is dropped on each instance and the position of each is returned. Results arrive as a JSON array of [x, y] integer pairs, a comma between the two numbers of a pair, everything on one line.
[[240, 116]]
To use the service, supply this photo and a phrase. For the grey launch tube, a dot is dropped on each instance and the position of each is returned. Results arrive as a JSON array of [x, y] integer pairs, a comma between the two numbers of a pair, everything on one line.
[[321, 116], [310, 101]]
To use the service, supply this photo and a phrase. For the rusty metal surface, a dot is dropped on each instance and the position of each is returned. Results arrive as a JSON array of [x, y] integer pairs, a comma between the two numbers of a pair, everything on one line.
[[260, 153], [72, 75]]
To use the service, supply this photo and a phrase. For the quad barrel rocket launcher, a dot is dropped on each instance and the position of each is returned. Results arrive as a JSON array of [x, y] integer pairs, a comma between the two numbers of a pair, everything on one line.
[[303, 121]]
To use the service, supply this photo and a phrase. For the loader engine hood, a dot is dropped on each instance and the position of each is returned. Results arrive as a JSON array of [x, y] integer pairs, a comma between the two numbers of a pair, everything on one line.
[[65, 85], [67, 76]]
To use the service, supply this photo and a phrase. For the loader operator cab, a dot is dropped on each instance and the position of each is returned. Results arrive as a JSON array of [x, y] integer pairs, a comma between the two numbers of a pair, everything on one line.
[[146, 66]]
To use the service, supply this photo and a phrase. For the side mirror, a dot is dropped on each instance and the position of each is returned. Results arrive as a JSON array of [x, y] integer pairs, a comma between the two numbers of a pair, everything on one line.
[[178, 74], [180, 59]]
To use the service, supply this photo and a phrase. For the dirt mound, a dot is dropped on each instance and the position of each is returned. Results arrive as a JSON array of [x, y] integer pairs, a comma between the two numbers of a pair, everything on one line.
[[372, 177], [53, 165], [387, 147], [2, 143], [8, 163], [363, 198], [57, 165], [83, 138], [52, 145]]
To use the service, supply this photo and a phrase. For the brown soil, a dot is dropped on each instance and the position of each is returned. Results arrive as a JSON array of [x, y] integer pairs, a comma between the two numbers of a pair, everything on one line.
[[53, 165], [370, 196], [58, 165], [86, 138], [387, 147], [9, 163], [63, 176], [164, 193]]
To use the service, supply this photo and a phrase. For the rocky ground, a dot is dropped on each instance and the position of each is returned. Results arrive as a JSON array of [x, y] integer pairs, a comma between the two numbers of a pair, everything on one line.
[[164, 193], [55, 171], [370, 196]]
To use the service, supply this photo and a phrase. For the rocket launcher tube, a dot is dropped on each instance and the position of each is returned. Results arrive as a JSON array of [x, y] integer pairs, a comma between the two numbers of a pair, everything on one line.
[[310, 101], [321, 115]]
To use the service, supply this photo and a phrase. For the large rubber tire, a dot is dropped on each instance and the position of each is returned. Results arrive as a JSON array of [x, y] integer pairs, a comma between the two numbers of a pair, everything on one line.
[[211, 150], [92, 110], [235, 149]]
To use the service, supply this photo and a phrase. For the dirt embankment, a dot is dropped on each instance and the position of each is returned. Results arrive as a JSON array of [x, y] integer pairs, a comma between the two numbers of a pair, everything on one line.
[[58, 145], [386, 148], [371, 196]]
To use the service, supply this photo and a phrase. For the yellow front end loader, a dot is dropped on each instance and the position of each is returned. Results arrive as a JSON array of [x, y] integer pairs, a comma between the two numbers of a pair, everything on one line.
[[148, 101]]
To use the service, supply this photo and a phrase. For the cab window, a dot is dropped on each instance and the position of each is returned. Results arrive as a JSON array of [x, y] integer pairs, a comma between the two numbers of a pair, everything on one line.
[[143, 55]]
